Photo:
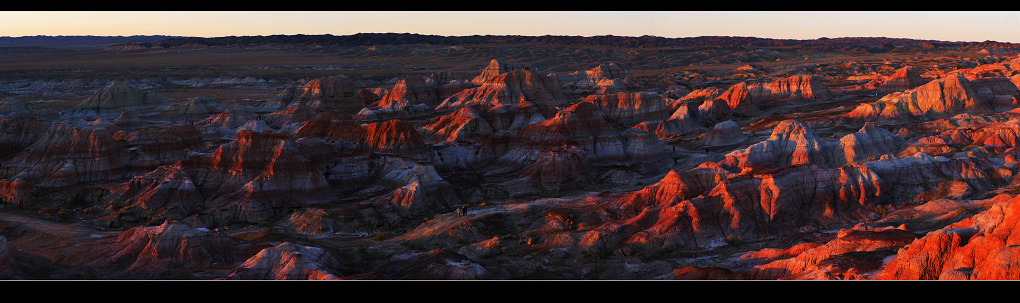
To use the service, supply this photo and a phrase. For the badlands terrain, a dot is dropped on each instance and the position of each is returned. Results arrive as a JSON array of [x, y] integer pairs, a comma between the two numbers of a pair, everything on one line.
[[410, 157]]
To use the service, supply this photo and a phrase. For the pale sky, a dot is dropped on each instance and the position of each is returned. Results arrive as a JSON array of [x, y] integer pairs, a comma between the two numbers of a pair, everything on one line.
[[1002, 26]]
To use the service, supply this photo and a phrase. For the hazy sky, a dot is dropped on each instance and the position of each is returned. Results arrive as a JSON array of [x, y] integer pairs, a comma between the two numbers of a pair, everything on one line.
[[1002, 26]]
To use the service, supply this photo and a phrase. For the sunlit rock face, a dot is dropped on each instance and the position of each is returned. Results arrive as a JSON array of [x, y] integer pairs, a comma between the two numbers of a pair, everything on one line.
[[495, 68], [508, 88], [584, 126], [936, 99], [410, 97], [337, 92], [167, 248], [739, 100], [117, 97], [288, 116], [683, 121], [289, 261], [412, 90], [791, 143], [903, 79], [793, 88], [854, 254], [981, 247], [630, 108], [707, 205], [607, 78], [457, 125]]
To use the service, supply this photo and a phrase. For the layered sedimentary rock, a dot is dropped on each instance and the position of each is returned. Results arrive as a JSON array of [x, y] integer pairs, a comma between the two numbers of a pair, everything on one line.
[[509, 88], [16, 135], [793, 88], [936, 99], [410, 91], [724, 133], [854, 254], [457, 125], [337, 92], [921, 177], [794, 143], [290, 115], [608, 78], [117, 97], [739, 100], [903, 79], [981, 247], [495, 68], [630, 108], [224, 125], [289, 261], [791, 143], [708, 205], [167, 248], [581, 125], [68, 154], [172, 145], [11, 108], [256, 177], [195, 108], [869, 143], [683, 121]]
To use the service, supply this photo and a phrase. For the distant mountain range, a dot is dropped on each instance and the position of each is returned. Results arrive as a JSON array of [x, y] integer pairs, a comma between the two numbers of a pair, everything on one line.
[[76, 42], [367, 39]]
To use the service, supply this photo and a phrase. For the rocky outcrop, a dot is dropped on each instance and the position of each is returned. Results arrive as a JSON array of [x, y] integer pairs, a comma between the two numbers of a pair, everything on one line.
[[936, 99], [975, 248], [791, 143], [869, 143], [608, 78], [69, 154], [172, 145], [738, 98], [509, 88], [793, 88], [337, 92], [195, 108], [630, 108], [683, 121], [853, 254], [707, 206], [457, 125], [921, 177], [581, 125], [16, 135], [117, 97], [410, 91], [289, 261], [903, 79], [495, 68], [156, 251], [724, 133]]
